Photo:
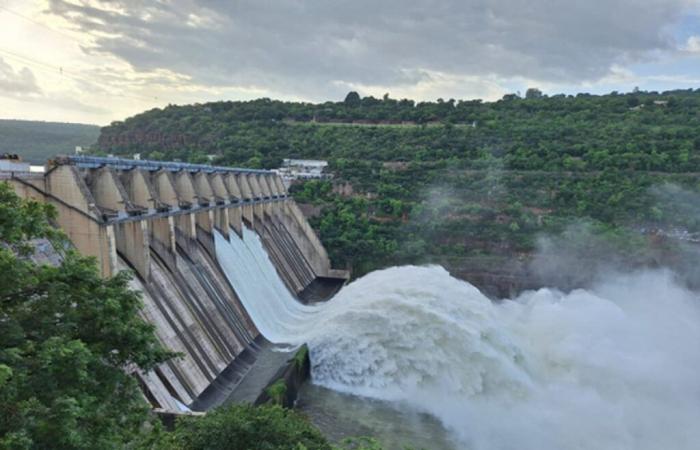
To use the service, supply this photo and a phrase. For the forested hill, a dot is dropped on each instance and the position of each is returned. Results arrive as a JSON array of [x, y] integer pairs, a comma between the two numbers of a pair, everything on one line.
[[640, 131], [37, 141], [471, 185]]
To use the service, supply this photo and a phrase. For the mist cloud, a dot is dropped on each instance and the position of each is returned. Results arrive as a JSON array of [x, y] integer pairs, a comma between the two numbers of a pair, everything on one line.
[[677, 202], [586, 251]]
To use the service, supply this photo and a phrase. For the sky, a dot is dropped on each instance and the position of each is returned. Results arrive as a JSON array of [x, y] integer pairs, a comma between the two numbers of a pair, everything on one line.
[[96, 61]]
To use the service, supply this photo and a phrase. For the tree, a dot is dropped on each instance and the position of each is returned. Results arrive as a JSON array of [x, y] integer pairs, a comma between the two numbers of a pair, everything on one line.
[[533, 93], [246, 427], [352, 99], [67, 338]]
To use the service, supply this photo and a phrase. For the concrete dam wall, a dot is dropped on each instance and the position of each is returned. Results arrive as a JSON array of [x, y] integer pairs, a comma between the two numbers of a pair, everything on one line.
[[159, 219]]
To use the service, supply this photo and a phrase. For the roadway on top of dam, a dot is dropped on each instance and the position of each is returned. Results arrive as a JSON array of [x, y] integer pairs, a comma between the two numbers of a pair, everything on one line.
[[96, 162]]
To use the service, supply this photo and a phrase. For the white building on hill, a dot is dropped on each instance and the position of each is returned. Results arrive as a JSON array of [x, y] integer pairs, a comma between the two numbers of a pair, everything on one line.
[[302, 169]]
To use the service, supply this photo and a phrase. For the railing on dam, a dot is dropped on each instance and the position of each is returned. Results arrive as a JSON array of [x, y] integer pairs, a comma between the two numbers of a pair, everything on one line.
[[94, 162]]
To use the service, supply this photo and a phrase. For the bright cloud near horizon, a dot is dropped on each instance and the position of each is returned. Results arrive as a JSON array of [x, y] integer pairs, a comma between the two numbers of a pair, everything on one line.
[[95, 61]]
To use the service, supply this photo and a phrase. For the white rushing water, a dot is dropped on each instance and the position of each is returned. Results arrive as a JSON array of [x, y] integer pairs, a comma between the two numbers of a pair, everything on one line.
[[615, 367]]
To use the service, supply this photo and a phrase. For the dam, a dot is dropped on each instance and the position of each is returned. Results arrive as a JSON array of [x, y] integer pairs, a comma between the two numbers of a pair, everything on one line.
[[412, 355], [162, 220]]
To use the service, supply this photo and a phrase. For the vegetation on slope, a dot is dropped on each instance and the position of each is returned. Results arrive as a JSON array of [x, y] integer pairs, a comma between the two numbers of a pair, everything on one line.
[[639, 131], [38, 141], [467, 184]]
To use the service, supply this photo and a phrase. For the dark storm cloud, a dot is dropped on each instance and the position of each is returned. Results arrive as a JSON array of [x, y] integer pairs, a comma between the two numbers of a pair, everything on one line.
[[315, 48]]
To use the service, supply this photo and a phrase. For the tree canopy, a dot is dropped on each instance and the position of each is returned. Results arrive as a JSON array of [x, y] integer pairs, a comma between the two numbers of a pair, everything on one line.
[[68, 340], [246, 427]]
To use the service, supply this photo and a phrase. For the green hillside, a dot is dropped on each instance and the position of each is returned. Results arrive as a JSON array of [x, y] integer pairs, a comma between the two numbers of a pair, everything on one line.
[[478, 187], [37, 141]]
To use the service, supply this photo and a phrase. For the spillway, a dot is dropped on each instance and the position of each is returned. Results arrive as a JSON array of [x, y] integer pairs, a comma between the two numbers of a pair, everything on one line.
[[274, 310], [614, 367], [197, 315]]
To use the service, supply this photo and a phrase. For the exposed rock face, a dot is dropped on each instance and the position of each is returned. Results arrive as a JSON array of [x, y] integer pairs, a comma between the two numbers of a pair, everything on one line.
[[344, 189], [506, 283]]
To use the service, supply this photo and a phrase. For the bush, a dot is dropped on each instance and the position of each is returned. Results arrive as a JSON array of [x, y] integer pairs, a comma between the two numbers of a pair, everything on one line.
[[245, 427]]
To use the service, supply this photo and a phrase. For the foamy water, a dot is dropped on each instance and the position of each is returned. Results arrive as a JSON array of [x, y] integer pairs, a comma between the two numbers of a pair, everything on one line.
[[615, 367]]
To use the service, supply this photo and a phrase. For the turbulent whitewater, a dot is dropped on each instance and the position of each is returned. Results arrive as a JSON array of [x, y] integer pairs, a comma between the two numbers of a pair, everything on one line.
[[615, 367]]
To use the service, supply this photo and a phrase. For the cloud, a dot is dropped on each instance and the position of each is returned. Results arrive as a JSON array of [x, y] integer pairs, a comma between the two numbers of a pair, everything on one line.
[[692, 45], [316, 49], [21, 84], [17, 83]]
